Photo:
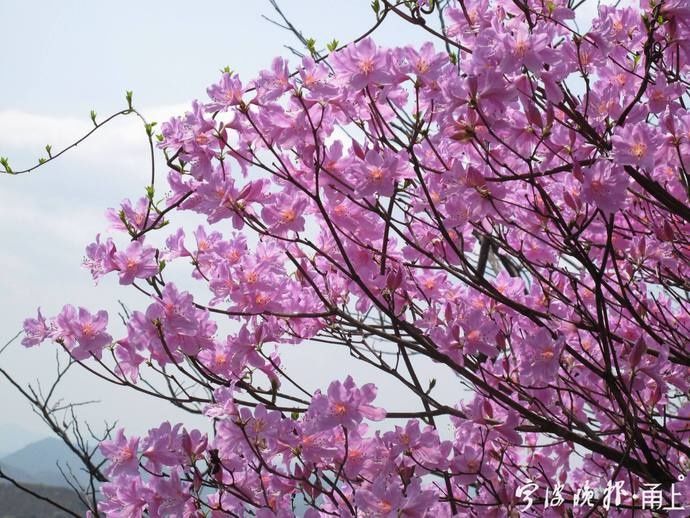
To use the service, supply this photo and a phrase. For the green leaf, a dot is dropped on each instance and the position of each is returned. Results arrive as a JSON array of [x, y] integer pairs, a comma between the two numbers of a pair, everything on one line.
[[311, 46], [332, 46], [93, 117], [376, 6], [128, 96], [149, 128], [6, 164]]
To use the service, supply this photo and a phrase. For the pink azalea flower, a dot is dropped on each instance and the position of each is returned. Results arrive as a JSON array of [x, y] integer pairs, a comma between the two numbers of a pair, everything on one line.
[[274, 82], [169, 496], [285, 213], [99, 258], [345, 405], [362, 63], [138, 261], [82, 333], [128, 360], [426, 63], [378, 173], [228, 92], [471, 464], [605, 186], [527, 48], [541, 358], [162, 446], [124, 497], [134, 216], [636, 145], [382, 498], [36, 330], [122, 454]]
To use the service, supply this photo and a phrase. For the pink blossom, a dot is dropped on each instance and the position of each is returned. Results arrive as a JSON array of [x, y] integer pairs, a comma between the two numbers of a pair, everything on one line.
[[169, 496], [121, 454], [137, 261], [345, 405], [162, 447], [129, 217], [99, 257], [362, 63], [541, 357], [124, 497], [228, 92], [36, 330], [285, 213], [635, 144], [82, 333], [605, 186]]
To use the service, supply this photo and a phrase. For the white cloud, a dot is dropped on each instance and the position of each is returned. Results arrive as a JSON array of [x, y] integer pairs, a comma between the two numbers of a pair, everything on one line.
[[26, 132]]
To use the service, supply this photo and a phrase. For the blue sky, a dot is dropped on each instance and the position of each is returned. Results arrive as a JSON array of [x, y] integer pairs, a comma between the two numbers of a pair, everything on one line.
[[59, 61]]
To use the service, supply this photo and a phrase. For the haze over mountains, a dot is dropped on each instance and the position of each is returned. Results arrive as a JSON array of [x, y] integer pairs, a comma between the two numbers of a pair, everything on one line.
[[40, 463], [13, 437], [36, 466]]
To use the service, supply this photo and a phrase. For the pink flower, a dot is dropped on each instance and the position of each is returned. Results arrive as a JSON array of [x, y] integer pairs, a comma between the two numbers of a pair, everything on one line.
[[527, 48], [423, 446], [636, 145], [169, 496], [285, 213], [162, 446], [345, 405], [129, 216], [175, 246], [605, 185], [362, 63], [228, 92], [378, 173], [82, 333], [99, 258], [128, 360], [541, 356], [124, 497], [177, 310], [137, 261], [471, 464], [383, 498], [274, 82], [122, 454], [315, 78], [35, 330], [425, 63]]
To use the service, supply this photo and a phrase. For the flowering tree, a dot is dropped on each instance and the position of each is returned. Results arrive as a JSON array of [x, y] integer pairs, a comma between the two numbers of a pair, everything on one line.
[[509, 201]]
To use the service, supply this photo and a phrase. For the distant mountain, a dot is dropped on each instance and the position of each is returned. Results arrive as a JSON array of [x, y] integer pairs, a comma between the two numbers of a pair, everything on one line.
[[15, 503], [38, 463], [14, 437]]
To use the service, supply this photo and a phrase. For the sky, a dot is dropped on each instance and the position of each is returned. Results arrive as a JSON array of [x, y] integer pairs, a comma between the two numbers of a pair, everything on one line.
[[61, 60], [68, 58]]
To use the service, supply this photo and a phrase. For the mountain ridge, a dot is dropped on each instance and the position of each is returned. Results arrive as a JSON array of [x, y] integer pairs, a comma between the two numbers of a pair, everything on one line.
[[40, 462]]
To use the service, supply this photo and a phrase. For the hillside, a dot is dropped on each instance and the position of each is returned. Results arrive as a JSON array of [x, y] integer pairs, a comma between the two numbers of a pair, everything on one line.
[[37, 463], [15, 503], [14, 437]]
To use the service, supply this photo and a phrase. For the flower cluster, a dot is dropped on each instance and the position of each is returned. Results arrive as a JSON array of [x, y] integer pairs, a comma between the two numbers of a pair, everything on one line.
[[515, 212]]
